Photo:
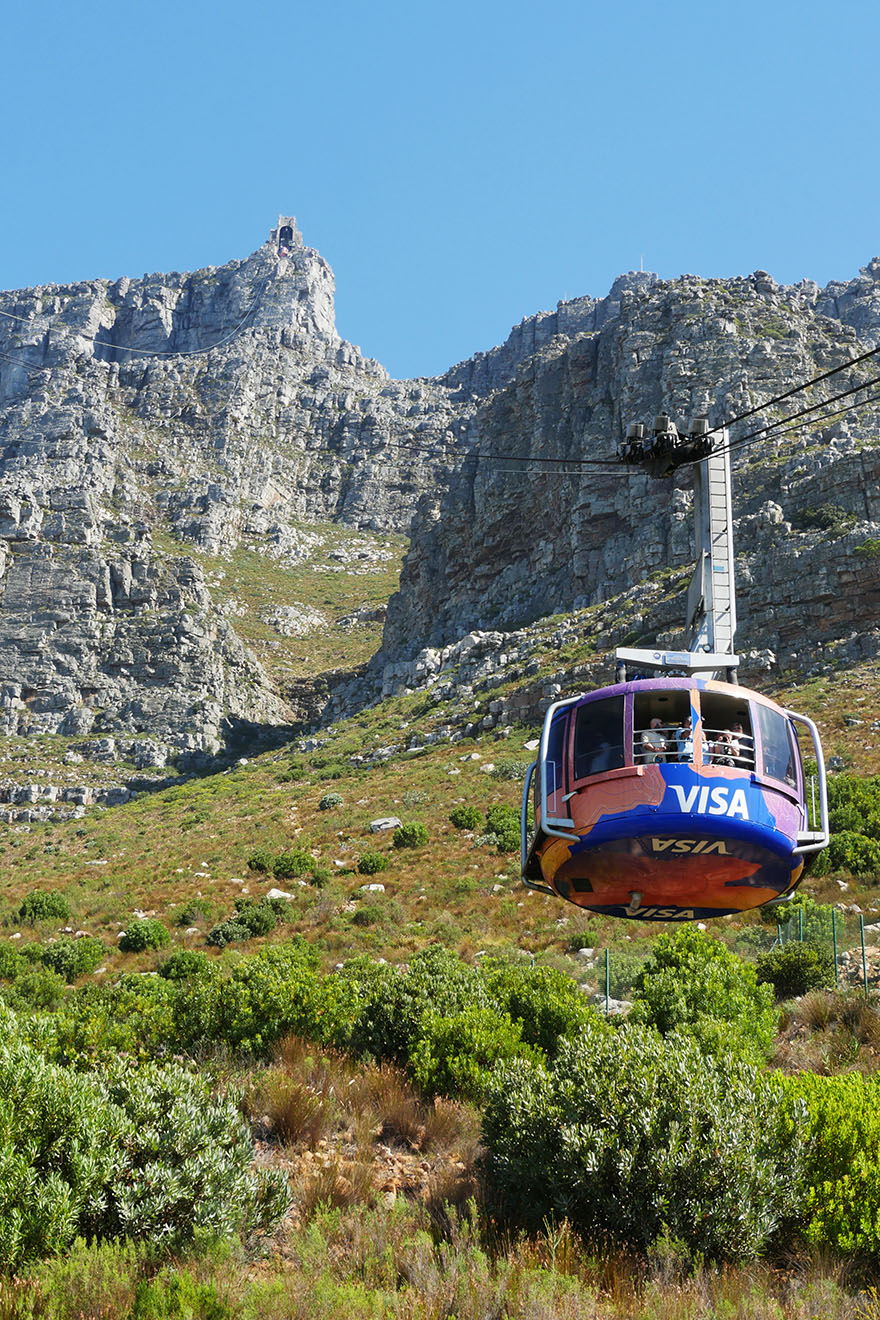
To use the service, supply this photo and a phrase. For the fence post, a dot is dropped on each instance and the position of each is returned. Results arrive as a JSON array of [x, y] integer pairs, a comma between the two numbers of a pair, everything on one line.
[[864, 961], [834, 942], [779, 932], [801, 924], [607, 981]]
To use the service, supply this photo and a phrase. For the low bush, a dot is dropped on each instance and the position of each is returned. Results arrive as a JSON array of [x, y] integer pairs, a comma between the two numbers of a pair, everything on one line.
[[694, 983], [195, 909], [632, 1137], [142, 1152], [371, 863], [259, 915], [71, 958], [853, 852], [793, 969], [546, 1005], [260, 860], [144, 933], [330, 801], [413, 835], [227, 932], [183, 964], [41, 904], [504, 823], [466, 817], [455, 1054], [841, 1130], [511, 769], [288, 865]]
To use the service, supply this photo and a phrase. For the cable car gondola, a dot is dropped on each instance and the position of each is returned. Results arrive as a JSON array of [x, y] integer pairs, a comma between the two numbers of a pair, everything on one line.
[[651, 803], [680, 795]]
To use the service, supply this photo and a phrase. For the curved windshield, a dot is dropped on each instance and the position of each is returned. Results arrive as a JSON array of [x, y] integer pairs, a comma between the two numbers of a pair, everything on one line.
[[598, 737]]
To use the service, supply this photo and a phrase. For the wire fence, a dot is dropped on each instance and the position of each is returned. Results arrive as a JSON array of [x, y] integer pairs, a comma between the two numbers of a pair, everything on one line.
[[850, 940]]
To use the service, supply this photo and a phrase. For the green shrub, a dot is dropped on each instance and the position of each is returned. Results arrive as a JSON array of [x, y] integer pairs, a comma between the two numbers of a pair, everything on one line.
[[11, 963], [504, 823], [413, 835], [546, 1005], [693, 982], [260, 916], [38, 987], [273, 993], [826, 518], [632, 1137], [794, 968], [195, 909], [187, 1165], [330, 801], [182, 964], [466, 818], [71, 958], [41, 904], [391, 1002], [852, 852], [260, 860], [371, 863], [227, 932], [454, 1055], [511, 769], [288, 865], [624, 970], [320, 876], [144, 933], [841, 1132]]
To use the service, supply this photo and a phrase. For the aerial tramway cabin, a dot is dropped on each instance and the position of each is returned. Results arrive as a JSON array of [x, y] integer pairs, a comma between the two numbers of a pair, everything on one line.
[[678, 795], [670, 799]]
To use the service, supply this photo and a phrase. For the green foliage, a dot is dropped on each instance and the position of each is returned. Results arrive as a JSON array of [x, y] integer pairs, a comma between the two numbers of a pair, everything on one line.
[[852, 852], [841, 1131], [330, 801], [412, 835], [624, 970], [227, 932], [801, 917], [272, 994], [504, 823], [39, 988], [825, 518], [454, 1055], [195, 909], [183, 964], [692, 982], [869, 549], [187, 1161], [466, 817], [511, 769], [794, 968], [144, 933], [260, 860], [630, 1137], [288, 865], [259, 915], [371, 863], [71, 958], [391, 1002], [545, 1004], [41, 904]]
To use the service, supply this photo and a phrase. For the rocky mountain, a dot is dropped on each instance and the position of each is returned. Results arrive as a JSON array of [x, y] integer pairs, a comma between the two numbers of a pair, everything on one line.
[[151, 428]]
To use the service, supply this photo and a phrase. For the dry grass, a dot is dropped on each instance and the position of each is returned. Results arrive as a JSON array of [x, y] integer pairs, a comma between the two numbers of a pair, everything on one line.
[[830, 1032]]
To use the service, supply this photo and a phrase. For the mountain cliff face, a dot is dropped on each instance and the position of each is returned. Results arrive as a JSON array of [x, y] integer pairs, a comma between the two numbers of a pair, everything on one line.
[[147, 425], [215, 409], [499, 547]]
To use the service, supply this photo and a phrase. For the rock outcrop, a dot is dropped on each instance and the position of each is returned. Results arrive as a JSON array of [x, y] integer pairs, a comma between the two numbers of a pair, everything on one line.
[[146, 424]]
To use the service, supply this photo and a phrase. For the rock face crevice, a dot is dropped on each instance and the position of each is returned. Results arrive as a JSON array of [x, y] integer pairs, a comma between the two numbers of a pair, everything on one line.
[[148, 423]]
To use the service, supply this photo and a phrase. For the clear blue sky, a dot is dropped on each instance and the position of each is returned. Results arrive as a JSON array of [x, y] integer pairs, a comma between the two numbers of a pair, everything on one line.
[[460, 165]]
